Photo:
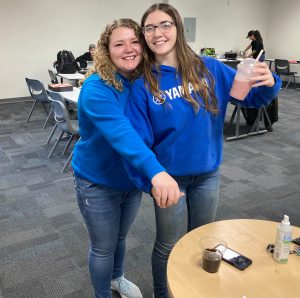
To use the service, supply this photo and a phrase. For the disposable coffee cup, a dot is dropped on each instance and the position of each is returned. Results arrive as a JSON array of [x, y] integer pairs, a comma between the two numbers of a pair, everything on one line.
[[242, 84], [211, 260], [212, 249]]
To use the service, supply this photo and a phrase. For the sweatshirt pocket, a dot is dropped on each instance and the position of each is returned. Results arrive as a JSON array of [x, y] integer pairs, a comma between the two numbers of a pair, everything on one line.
[[189, 157]]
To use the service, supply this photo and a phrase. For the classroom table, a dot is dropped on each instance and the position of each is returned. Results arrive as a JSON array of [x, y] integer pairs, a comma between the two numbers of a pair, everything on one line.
[[71, 96], [265, 278], [71, 76], [271, 60]]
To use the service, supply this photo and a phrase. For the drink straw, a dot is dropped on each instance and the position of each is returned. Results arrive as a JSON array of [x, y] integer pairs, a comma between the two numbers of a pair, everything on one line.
[[257, 58]]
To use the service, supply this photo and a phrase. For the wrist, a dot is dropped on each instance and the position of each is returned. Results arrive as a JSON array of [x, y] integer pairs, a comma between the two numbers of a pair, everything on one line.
[[156, 176]]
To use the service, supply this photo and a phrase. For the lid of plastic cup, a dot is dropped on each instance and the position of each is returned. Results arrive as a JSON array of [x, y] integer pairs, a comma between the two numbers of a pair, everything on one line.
[[247, 64]]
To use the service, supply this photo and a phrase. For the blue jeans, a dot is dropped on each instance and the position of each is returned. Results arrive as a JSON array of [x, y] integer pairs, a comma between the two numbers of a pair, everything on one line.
[[108, 215], [201, 200]]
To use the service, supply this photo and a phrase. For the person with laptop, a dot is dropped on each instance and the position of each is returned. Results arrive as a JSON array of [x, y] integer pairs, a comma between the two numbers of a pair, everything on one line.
[[87, 56]]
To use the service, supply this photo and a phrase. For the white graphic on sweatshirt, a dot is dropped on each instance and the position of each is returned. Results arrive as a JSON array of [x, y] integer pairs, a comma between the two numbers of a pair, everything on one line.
[[172, 93], [159, 101]]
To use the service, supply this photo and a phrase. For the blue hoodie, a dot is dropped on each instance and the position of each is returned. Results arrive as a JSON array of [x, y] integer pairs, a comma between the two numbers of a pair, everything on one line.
[[105, 134], [186, 142]]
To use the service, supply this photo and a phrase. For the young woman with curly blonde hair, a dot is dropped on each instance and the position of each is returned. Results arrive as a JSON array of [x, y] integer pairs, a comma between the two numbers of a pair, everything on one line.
[[107, 198]]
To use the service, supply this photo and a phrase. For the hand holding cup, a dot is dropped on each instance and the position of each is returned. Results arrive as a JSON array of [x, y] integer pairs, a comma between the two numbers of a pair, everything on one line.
[[262, 76]]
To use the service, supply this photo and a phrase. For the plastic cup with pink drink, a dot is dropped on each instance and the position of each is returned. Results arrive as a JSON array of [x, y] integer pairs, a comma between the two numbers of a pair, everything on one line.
[[242, 84]]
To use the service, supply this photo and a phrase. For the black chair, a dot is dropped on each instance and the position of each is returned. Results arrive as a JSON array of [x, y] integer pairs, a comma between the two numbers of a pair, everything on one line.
[[39, 94], [64, 123], [282, 67]]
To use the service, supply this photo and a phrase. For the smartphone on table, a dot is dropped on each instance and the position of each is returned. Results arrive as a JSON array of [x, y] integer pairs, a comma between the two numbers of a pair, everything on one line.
[[234, 258]]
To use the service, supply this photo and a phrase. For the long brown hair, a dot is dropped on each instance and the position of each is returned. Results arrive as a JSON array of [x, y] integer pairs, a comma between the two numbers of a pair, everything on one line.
[[102, 61], [190, 66]]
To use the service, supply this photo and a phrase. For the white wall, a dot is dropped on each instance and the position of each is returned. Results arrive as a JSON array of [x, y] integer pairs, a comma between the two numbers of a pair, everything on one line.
[[224, 24], [283, 31], [33, 31]]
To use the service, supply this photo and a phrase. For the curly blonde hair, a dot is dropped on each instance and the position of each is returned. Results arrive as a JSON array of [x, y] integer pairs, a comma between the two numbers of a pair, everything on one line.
[[102, 61]]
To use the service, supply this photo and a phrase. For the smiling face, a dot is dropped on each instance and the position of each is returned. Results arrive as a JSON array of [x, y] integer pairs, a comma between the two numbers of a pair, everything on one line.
[[125, 50], [161, 42]]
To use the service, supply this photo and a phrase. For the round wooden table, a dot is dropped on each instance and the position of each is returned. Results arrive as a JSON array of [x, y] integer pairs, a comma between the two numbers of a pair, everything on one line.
[[265, 278]]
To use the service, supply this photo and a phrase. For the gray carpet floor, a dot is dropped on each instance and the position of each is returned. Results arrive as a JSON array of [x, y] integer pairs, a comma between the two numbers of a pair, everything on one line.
[[43, 241]]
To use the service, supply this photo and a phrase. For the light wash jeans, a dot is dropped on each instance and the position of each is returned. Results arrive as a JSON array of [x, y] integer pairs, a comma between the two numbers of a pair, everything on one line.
[[201, 201], [108, 215]]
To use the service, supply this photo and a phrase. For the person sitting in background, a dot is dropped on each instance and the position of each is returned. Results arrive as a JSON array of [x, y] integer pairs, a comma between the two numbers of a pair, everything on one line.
[[256, 46], [87, 56]]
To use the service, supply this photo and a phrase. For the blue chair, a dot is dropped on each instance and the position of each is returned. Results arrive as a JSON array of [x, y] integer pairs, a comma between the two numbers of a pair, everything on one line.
[[64, 123], [53, 76], [39, 94]]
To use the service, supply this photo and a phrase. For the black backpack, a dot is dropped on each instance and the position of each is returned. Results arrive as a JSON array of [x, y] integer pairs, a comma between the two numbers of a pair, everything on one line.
[[65, 62]]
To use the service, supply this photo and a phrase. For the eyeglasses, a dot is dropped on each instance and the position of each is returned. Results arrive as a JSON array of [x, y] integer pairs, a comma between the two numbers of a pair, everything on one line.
[[164, 27]]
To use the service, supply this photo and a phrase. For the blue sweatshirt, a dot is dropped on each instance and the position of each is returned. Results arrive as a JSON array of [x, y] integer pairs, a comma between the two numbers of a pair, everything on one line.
[[186, 142], [105, 134]]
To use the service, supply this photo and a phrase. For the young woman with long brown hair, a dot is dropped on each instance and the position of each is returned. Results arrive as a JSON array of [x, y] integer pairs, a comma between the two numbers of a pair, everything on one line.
[[178, 107]]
